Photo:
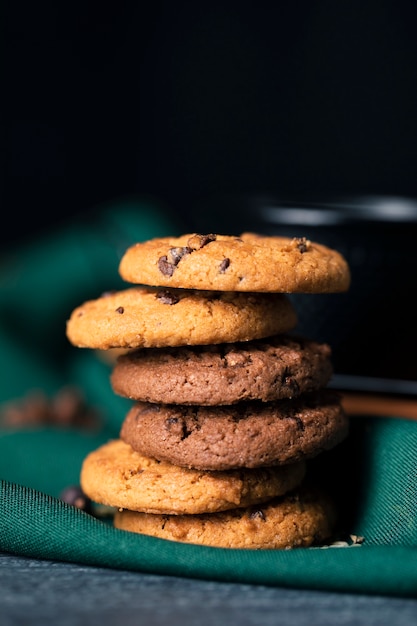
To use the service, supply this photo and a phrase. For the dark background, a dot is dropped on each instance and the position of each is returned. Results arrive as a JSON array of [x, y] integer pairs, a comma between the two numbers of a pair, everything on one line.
[[193, 104], [183, 101]]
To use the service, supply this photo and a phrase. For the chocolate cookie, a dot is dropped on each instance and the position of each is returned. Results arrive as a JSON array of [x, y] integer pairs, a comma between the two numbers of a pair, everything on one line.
[[247, 434], [249, 262], [299, 519], [148, 317], [268, 369], [115, 475]]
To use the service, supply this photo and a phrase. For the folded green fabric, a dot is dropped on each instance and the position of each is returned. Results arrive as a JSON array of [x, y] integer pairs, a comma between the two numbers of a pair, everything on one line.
[[43, 281], [372, 475]]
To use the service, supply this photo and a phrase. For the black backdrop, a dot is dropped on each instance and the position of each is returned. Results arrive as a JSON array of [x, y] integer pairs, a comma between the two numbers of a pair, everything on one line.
[[183, 100]]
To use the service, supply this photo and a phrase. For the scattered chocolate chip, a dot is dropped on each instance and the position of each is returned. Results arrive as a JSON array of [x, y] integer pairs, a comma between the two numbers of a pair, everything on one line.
[[67, 408], [224, 265], [167, 297], [120, 310], [168, 263], [167, 266], [74, 496]]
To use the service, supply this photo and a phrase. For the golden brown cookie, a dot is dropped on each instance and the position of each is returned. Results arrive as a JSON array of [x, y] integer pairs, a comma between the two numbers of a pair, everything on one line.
[[249, 263], [266, 369], [146, 317], [115, 475], [299, 519], [247, 434]]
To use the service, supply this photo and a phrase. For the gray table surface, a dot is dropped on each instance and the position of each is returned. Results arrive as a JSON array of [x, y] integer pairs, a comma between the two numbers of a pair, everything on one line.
[[48, 592]]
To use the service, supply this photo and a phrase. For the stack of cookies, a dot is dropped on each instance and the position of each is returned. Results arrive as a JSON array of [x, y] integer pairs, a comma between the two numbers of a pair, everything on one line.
[[229, 406]]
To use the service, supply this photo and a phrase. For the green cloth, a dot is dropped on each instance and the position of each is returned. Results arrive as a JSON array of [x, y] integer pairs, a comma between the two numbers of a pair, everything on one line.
[[372, 475]]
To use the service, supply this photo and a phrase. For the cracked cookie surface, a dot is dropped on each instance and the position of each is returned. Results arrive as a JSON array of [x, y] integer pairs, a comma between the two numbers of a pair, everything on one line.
[[267, 369], [247, 434]]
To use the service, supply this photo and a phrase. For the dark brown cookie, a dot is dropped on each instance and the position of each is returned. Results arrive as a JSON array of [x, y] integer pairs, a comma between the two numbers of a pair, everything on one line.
[[247, 434], [270, 369]]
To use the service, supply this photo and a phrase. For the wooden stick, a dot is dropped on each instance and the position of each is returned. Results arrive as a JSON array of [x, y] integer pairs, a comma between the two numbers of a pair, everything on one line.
[[379, 405]]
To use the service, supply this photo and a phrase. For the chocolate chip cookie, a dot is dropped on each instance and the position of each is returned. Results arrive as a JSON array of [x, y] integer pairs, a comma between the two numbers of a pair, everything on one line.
[[302, 518], [117, 476], [248, 262], [146, 317], [228, 406]]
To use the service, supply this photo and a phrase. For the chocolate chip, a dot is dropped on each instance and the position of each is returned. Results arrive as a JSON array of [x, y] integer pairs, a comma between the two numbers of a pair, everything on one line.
[[120, 310], [199, 241], [302, 244], [178, 253], [165, 267], [167, 297], [224, 265], [74, 496], [290, 382], [178, 427]]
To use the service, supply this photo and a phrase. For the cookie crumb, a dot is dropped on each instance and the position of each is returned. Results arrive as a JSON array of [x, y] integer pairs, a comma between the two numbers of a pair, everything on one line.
[[356, 539]]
